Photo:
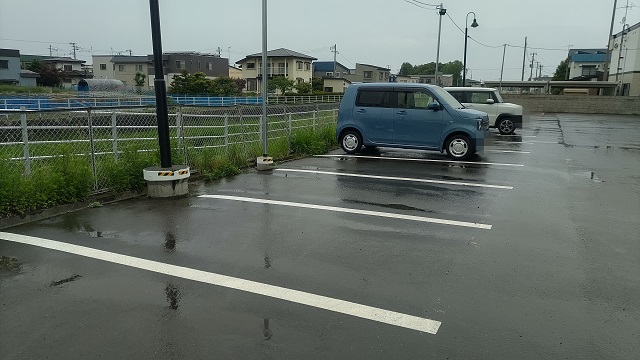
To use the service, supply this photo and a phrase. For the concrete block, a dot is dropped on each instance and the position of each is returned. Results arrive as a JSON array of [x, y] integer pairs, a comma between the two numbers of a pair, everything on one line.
[[167, 182]]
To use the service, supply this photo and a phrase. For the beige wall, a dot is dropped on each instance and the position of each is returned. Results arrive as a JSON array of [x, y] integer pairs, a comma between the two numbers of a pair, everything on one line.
[[102, 74], [290, 65], [128, 73], [579, 104], [338, 85], [235, 73]]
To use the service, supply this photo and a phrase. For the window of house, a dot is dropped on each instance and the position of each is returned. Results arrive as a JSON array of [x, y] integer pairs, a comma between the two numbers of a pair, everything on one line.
[[209, 66], [368, 74], [251, 65], [307, 66], [380, 76], [199, 65], [103, 66], [374, 98], [252, 84], [4, 64], [299, 65], [180, 64], [329, 74], [122, 68], [67, 67], [337, 74], [139, 67], [589, 70], [328, 89]]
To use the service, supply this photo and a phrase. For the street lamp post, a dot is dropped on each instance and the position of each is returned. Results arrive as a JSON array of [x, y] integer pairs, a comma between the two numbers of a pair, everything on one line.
[[442, 12], [466, 37]]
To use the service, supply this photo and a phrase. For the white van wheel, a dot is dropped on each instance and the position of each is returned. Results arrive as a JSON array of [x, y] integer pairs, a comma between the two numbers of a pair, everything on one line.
[[351, 141], [506, 127]]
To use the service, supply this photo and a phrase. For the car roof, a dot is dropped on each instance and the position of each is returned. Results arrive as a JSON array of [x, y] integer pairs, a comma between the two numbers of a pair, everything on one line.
[[394, 85], [468, 89]]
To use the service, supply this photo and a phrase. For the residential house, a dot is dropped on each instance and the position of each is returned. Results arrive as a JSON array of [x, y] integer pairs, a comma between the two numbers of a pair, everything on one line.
[[213, 66], [26, 59], [280, 62], [336, 85], [364, 73], [625, 62], [70, 70], [587, 64], [325, 69], [234, 72], [120, 67], [11, 72]]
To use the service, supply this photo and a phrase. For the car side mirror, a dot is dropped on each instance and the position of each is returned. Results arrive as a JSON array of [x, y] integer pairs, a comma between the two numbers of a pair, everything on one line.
[[490, 101], [434, 106]]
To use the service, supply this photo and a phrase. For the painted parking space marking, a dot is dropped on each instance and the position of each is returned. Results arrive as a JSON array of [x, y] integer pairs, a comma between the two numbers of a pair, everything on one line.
[[351, 211], [508, 151], [515, 135], [428, 181], [277, 292], [418, 160], [514, 142]]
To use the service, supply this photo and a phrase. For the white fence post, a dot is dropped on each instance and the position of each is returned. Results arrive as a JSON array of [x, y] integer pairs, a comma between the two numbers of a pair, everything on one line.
[[179, 133], [314, 117], [93, 150], [226, 131], [25, 141], [114, 135]]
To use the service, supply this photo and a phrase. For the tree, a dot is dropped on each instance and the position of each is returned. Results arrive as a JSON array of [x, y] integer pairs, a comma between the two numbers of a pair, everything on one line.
[[223, 86], [190, 84], [49, 75], [280, 83], [406, 69], [453, 67], [139, 79], [317, 84], [241, 84], [561, 71], [304, 88]]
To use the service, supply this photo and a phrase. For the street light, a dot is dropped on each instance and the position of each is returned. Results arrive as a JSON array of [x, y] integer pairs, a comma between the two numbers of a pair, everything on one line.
[[466, 37]]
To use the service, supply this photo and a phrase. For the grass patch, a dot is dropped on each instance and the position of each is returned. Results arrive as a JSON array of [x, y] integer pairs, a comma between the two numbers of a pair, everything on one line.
[[313, 142], [15, 89], [66, 179]]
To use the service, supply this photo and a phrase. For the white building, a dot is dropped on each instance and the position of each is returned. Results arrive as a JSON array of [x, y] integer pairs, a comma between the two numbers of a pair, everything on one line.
[[625, 62], [587, 64], [280, 62]]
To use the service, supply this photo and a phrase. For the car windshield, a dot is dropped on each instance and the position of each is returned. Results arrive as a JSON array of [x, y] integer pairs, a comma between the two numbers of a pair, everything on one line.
[[448, 98]]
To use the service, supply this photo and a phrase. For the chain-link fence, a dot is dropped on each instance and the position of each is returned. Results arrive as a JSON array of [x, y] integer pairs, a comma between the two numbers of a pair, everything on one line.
[[108, 138]]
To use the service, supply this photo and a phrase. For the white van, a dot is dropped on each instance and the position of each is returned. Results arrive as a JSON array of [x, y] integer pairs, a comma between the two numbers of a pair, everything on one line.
[[504, 116]]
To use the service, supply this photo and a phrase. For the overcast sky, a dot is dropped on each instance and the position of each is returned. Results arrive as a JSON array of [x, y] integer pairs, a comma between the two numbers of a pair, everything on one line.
[[379, 32]]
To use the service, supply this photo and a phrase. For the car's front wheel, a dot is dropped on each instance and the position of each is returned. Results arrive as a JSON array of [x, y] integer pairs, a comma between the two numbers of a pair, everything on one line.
[[506, 126], [459, 147], [351, 141]]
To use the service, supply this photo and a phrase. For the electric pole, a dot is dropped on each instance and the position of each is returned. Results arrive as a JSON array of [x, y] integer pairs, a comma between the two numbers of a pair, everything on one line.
[[334, 49], [74, 47], [50, 51], [533, 58], [504, 52], [524, 57], [441, 12], [607, 63]]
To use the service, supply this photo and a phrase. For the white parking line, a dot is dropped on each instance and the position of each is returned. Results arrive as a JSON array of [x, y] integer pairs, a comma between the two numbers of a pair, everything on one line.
[[524, 136], [514, 142], [351, 211], [429, 181], [277, 292], [419, 160], [508, 151]]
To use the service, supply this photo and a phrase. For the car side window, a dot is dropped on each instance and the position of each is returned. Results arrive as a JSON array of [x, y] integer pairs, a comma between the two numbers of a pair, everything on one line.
[[415, 99], [460, 96], [480, 97], [374, 98]]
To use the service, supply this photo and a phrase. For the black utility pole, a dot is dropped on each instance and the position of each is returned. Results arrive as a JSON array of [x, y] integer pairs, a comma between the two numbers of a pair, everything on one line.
[[160, 87]]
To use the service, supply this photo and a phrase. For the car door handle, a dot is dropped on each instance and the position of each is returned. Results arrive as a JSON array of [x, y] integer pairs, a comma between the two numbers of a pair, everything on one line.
[[402, 112], [361, 111]]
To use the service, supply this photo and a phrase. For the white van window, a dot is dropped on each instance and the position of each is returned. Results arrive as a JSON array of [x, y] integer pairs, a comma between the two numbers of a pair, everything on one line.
[[480, 97]]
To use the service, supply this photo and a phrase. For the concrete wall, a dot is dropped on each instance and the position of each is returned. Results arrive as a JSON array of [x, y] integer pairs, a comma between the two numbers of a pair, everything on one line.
[[13, 71], [580, 104]]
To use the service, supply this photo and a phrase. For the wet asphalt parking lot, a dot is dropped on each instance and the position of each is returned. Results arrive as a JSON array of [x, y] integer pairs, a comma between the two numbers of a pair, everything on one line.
[[531, 251]]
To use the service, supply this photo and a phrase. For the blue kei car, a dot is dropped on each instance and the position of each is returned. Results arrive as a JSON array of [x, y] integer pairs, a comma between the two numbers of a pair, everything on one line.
[[411, 116]]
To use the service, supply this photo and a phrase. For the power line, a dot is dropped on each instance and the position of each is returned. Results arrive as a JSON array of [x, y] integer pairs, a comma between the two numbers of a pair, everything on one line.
[[35, 41], [419, 4], [346, 59], [425, 4]]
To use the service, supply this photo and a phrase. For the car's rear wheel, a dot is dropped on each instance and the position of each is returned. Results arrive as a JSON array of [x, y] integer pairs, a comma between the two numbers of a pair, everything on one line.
[[506, 126], [351, 141], [459, 147]]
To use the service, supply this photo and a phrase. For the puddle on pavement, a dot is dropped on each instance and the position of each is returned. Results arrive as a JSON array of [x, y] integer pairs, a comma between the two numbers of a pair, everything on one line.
[[64, 281], [266, 331], [173, 296], [9, 263], [169, 242], [389, 206]]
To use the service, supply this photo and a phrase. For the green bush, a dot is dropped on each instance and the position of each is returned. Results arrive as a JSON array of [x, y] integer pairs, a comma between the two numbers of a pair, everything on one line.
[[313, 142], [126, 173], [214, 166], [66, 179]]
